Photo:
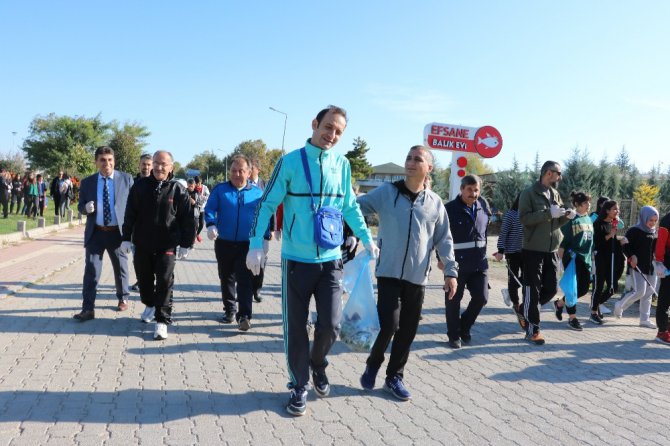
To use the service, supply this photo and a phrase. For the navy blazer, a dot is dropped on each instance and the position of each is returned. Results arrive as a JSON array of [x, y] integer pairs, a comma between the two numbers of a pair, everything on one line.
[[88, 191]]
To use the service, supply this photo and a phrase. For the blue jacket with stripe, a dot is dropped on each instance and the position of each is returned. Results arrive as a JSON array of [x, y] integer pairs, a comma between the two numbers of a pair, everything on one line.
[[232, 210], [331, 185]]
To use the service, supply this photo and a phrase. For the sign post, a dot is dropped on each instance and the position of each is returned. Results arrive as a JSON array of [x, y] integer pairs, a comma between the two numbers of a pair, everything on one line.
[[485, 142]]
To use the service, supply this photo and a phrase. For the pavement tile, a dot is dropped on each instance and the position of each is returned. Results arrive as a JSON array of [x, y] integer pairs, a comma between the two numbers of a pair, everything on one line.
[[108, 382]]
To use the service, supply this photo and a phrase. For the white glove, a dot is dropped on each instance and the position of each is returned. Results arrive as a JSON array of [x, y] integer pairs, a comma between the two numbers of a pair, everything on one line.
[[372, 249], [556, 212], [90, 207], [350, 243], [660, 269], [266, 247], [212, 232], [278, 236], [570, 213], [255, 260], [182, 252], [127, 247]]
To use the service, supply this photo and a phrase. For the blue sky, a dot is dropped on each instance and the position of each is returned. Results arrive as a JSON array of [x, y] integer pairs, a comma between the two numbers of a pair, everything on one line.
[[201, 75]]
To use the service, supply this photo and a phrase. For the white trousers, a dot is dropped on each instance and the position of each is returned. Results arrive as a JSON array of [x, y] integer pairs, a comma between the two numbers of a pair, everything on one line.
[[641, 291]]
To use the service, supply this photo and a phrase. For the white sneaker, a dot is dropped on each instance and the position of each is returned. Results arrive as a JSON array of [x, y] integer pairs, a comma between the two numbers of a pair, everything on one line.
[[647, 324], [161, 331], [604, 310], [618, 311], [148, 314], [506, 298]]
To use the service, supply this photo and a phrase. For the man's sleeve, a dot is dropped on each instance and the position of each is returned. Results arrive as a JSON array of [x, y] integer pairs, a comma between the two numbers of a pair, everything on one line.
[[130, 215], [444, 243], [273, 195], [185, 219], [81, 205], [351, 211], [370, 203], [212, 207]]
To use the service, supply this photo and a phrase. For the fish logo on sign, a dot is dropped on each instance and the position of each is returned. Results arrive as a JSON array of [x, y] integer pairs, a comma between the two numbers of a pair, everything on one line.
[[488, 141]]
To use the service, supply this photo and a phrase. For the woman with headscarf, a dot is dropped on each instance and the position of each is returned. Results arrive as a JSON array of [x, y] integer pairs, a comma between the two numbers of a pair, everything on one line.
[[640, 253]]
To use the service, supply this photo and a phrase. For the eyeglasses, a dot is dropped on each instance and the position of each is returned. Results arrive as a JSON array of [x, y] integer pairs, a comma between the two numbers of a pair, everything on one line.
[[558, 172]]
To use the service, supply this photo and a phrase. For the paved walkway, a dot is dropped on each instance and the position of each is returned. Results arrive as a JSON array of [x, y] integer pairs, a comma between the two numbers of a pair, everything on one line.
[[107, 382]]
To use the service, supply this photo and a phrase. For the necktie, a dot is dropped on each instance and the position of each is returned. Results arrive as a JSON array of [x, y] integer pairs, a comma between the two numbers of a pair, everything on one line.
[[106, 208]]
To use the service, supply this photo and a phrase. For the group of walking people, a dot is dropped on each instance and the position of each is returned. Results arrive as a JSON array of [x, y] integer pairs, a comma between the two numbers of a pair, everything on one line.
[[155, 220], [540, 238]]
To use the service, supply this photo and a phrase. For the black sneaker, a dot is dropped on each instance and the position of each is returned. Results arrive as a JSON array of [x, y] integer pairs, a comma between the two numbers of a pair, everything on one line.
[[228, 318], [395, 387], [574, 324], [297, 402], [258, 297], [596, 319], [559, 311], [368, 378], [466, 337], [244, 324], [321, 384], [454, 343]]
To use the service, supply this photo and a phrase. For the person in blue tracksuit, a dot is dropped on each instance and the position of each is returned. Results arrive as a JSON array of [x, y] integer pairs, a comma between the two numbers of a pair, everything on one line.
[[229, 212], [307, 268]]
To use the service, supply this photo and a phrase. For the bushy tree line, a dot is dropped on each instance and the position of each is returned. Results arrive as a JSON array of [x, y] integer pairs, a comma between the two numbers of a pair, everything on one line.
[[619, 180], [68, 143]]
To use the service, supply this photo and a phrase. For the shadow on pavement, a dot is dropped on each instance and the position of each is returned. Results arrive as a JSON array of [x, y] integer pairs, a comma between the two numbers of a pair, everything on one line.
[[134, 405]]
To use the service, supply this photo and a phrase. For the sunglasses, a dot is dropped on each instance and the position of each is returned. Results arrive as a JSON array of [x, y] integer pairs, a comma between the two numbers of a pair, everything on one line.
[[558, 172]]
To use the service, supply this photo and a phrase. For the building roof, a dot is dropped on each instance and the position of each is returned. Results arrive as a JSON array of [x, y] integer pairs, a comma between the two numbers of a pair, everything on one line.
[[390, 168]]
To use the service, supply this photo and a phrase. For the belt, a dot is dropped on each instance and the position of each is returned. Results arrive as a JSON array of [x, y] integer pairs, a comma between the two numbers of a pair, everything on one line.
[[467, 245], [107, 228]]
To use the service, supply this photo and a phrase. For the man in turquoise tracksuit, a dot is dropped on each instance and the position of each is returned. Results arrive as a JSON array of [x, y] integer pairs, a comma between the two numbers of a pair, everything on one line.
[[308, 269]]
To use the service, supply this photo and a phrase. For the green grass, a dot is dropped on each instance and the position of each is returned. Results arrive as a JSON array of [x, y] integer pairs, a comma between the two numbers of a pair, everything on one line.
[[8, 225]]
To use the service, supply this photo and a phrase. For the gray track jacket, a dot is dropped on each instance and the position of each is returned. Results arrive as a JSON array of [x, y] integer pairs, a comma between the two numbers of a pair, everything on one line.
[[408, 233]]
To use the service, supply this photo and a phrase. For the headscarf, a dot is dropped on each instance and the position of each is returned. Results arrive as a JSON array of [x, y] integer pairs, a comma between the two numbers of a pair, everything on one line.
[[645, 214]]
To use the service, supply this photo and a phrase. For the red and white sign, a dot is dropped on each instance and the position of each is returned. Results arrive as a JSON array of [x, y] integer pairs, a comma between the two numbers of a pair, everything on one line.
[[485, 141]]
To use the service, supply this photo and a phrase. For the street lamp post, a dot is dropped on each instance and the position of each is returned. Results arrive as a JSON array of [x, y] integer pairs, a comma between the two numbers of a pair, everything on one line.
[[225, 159], [285, 119], [13, 144]]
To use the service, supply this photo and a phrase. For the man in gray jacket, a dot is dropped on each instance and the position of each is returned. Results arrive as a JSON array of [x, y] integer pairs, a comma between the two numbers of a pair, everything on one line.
[[406, 245]]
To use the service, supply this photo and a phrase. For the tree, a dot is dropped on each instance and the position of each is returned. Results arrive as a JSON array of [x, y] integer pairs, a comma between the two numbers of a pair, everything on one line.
[[360, 167], [607, 181], [13, 162], [64, 142], [646, 194], [128, 142], [664, 194], [508, 185], [210, 167], [578, 174], [622, 160], [630, 181]]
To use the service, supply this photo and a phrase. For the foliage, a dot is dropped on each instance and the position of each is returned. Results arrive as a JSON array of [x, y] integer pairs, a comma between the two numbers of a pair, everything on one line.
[[128, 142], [578, 174], [211, 168], [13, 162], [508, 185], [360, 167], [646, 194], [63, 142]]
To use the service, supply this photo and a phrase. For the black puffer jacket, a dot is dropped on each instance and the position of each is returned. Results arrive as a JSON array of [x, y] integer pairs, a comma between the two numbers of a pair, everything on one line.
[[158, 215]]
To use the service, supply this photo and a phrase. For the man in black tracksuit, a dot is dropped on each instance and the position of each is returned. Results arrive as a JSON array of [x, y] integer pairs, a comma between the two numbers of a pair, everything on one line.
[[158, 219]]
